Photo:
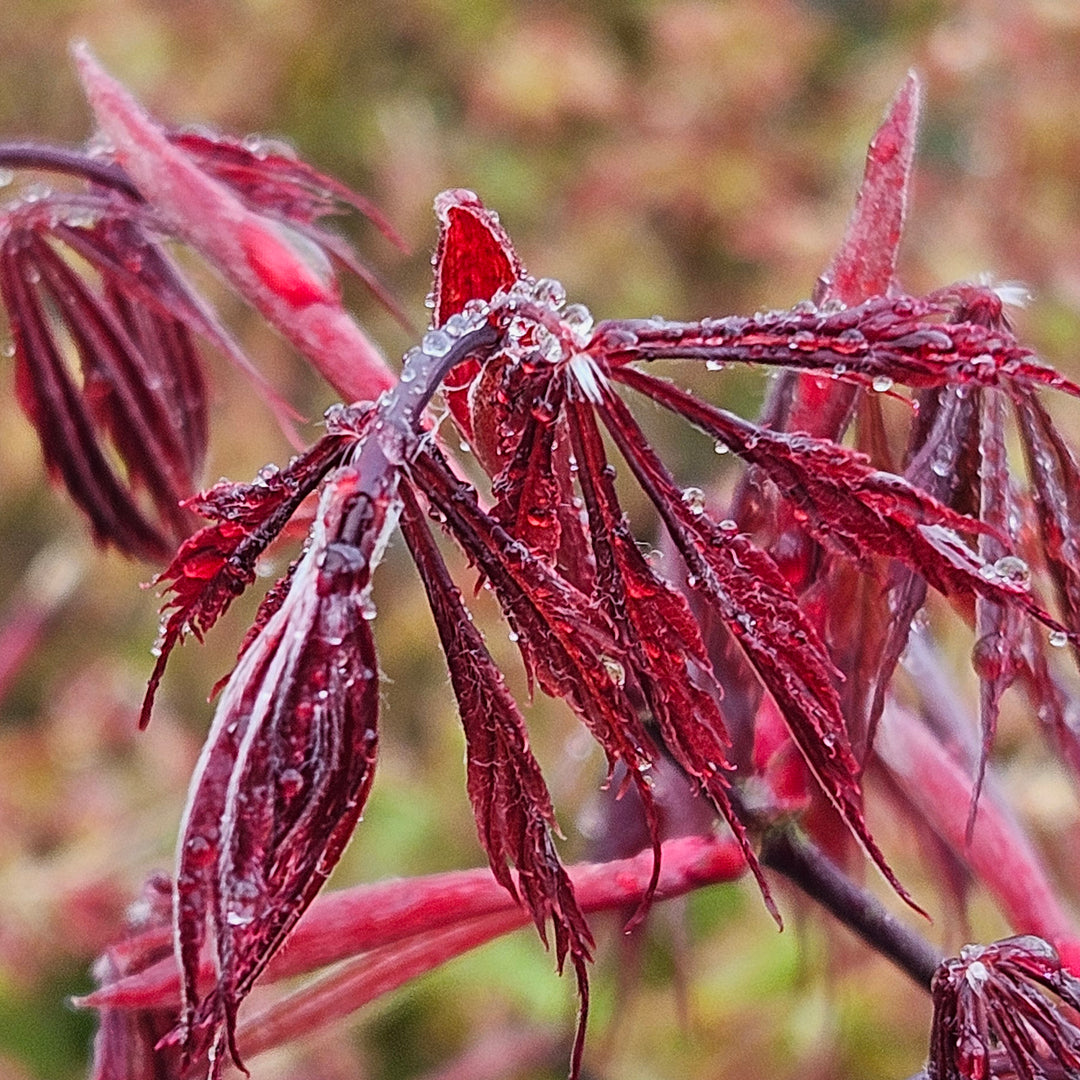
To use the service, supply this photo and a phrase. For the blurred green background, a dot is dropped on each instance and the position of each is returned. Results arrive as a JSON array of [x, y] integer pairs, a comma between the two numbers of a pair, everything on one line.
[[684, 158]]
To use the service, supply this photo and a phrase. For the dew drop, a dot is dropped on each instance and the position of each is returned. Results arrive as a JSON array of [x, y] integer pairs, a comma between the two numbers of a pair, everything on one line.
[[849, 341], [579, 321], [1059, 639], [882, 383], [620, 337], [6, 176], [615, 671], [514, 636], [729, 525], [36, 192], [291, 783], [714, 365], [549, 291], [694, 499], [200, 852], [436, 343], [721, 447], [1013, 571]]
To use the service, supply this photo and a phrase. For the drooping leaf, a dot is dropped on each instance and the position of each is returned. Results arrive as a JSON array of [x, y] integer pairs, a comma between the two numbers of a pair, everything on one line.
[[757, 604], [664, 646], [939, 443], [569, 645], [70, 438], [997, 654], [1056, 488], [857, 509], [130, 401], [511, 802], [217, 563]]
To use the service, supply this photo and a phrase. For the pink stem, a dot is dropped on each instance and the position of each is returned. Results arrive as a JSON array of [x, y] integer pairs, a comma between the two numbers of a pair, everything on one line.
[[364, 978], [252, 252], [999, 854], [369, 917]]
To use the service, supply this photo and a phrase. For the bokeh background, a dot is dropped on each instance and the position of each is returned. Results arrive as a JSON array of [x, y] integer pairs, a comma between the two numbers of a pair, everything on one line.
[[683, 158]]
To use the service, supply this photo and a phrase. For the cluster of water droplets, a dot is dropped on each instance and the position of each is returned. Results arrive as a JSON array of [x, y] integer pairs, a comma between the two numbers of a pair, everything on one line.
[[421, 367], [694, 499], [1009, 570]]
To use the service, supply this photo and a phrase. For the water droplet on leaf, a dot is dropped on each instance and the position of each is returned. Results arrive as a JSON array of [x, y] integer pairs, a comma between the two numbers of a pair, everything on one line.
[[694, 499], [615, 671], [1013, 571]]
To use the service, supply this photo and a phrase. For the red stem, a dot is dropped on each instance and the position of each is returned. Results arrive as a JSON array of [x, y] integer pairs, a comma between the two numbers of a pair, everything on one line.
[[368, 917]]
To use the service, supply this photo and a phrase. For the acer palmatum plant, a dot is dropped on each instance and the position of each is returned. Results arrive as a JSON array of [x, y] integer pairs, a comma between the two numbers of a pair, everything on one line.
[[760, 677]]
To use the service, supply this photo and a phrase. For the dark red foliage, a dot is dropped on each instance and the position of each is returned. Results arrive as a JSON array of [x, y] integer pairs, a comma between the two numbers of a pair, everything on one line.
[[885, 340], [992, 1016], [805, 585], [140, 389], [860, 511], [217, 563], [669, 661], [1056, 490], [513, 809], [757, 605], [287, 766]]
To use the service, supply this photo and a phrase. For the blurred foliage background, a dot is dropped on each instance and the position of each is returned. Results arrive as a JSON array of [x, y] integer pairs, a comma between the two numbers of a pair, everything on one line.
[[684, 158]]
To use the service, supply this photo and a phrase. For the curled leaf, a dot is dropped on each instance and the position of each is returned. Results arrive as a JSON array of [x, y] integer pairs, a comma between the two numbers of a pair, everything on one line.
[[287, 767], [474, 259]]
